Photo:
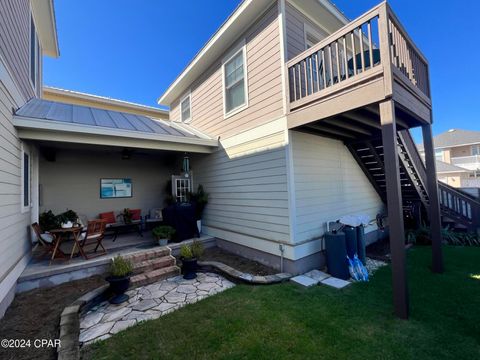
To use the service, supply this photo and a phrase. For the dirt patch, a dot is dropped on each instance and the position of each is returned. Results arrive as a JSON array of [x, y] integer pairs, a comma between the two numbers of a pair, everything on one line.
[[235, 261], [36, 315]]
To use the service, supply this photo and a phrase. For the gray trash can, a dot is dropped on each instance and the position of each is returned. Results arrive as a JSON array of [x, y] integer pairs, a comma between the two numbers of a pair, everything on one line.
[[336, 250], [350, 240], [361, 244]]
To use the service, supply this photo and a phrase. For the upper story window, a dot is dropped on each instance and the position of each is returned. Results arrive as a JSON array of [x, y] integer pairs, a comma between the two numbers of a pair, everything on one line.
[[235, 85], [312, 36], [475, 149], [33, 54], [439, 155], [185, 104]]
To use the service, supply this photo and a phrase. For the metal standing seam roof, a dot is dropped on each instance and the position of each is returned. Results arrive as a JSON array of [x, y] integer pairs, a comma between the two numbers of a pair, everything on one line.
[[40, 109]]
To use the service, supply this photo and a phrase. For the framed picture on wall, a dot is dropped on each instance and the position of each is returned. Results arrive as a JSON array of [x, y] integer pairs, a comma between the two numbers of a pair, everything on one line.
[[115, 188]]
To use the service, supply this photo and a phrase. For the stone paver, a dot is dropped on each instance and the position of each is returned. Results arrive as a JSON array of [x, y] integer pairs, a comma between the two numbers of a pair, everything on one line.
[[304, 280], [147, 303], [335, 282]]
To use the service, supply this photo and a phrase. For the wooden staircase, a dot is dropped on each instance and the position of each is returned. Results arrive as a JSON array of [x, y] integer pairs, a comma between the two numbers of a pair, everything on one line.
[[154, 265], [458, 208]]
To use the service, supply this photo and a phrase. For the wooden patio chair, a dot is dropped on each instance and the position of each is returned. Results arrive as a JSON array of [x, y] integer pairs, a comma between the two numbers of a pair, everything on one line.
[[45, 240], [92, 237]]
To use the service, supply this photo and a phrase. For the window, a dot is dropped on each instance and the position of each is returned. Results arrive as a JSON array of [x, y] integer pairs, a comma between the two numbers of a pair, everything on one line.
[[33, 53], [475, 149], [181, 187], [439, 155], [235, 87], [185, 109], [312, 36], [25, 180]]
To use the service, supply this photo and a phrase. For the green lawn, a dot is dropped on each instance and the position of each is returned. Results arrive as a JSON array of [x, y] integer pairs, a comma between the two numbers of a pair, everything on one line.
[[288, 322]]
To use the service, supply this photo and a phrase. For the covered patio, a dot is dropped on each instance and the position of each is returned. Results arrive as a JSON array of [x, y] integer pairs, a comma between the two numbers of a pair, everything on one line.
[[75, 150]]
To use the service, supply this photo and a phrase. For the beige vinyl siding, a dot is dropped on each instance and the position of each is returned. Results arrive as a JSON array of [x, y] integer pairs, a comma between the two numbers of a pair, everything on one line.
[[295, 25], [328, 184], [264, 84], [14, 235], [15, 43], [248, 195]]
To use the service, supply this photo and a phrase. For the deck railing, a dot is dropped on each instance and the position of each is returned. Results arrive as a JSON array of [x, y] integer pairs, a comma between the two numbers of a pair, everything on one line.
[[354, 54], [462, 160]]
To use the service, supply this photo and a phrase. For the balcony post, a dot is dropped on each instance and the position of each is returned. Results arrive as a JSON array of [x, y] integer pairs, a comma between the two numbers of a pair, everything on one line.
[[434, 204], [385, 55], [395, 210]]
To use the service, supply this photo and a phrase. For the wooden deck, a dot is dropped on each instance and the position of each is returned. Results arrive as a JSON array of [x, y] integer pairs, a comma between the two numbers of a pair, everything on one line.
[[333, 78]]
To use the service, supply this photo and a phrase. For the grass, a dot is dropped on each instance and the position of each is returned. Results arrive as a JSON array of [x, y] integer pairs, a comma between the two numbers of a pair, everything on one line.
[[288, 322]]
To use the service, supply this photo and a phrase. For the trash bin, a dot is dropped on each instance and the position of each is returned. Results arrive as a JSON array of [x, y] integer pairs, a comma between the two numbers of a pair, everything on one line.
[[350, 240], [336, 250], [361, 244]]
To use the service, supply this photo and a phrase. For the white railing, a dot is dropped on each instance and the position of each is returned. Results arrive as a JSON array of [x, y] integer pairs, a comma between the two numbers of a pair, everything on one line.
[[461, 160]]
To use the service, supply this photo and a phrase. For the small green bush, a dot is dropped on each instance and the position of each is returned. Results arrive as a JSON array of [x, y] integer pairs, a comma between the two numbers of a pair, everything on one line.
[[191, 251], [120, 267], [421, 236], [163, 232]]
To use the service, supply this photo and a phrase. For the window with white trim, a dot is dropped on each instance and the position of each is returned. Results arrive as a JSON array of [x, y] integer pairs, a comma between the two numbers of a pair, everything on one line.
[[235, 86], [181, 188], [439, 155], [475, 149], [25, 168], [185, 109], [33, 54]]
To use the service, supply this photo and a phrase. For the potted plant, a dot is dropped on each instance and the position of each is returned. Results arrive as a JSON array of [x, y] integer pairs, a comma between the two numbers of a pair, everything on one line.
[[119, 279], [189, 254], [163, 234], [200, 199]]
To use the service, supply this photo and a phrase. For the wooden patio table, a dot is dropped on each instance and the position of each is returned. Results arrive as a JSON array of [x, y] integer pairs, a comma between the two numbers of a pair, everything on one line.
[[60, 235]]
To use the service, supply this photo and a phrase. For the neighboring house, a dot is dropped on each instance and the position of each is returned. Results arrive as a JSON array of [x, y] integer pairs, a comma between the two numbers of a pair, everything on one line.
[[290, 116], [460, 149]]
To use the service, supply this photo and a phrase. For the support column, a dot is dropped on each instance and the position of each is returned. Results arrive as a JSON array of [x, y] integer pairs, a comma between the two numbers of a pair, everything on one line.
[[434, 204], [395, 209]]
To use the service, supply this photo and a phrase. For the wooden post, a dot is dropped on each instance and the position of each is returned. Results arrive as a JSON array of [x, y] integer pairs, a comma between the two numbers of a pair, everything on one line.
[[395, 210], [434, 204]]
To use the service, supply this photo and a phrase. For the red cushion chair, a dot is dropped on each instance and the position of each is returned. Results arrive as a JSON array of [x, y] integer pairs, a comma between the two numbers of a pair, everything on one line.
[[109, 217], [136, 214]]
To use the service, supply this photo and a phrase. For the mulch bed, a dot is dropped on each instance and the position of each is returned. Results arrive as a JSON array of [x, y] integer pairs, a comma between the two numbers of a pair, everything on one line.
[[36, 315], [379, 250], [237, 262]]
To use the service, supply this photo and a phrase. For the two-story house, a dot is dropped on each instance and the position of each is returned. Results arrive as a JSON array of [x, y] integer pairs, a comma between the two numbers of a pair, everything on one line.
[[27, 31], [291, 117], [458, 154]]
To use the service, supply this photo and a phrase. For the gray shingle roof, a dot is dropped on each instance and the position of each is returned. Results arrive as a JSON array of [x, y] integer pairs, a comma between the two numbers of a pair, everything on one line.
[[446, 167], [91, 116], [455, 137]]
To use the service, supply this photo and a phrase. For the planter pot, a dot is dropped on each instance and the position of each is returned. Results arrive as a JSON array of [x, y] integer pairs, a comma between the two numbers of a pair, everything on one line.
[[199, 226], [189, 268], [162, 242], [118, 286]]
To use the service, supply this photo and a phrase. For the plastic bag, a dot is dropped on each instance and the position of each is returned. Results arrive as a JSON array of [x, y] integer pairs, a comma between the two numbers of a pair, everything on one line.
[[352, 269], [360, 269]]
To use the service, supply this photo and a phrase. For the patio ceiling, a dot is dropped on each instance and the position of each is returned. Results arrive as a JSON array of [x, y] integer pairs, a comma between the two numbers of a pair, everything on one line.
[[53, 121]]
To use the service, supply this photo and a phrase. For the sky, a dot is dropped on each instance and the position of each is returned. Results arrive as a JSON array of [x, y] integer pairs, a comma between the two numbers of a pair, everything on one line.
[[133, 50]]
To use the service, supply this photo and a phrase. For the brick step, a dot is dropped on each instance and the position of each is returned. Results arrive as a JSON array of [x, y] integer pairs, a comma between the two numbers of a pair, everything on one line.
[[154, 276], [149, 254], [153, 264]]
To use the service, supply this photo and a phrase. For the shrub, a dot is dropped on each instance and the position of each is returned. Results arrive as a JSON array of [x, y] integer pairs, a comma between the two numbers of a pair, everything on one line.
[[120, 267], [191, 251], [163, 232], [421, 236]]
